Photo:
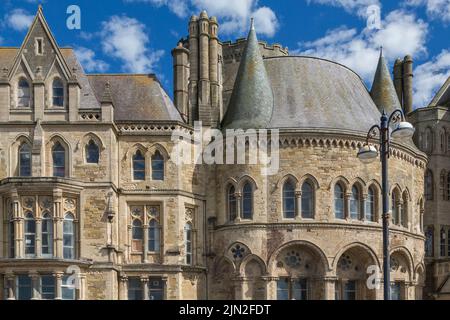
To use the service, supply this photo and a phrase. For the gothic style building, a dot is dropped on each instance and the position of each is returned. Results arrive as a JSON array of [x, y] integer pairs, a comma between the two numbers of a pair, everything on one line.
[[93, 205]]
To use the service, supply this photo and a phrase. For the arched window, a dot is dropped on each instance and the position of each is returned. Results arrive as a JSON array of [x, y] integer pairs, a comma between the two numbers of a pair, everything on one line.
[[428, 143], [139, 166], [405, 210], [59, 160], [47, 235], [69, 236], [12, 238], [58, 93], [289, 209], [30, 234], [25, 160], [355, 204], [443, 185], [448, 187], [339, 207], [370, 205], [157, 166], [92, 152], [429, 242], [232, 203], [137, 235], [153, 236], [23, 94], [307, 200], [429, 185], [247, 202], [188, 242], [394, 207]]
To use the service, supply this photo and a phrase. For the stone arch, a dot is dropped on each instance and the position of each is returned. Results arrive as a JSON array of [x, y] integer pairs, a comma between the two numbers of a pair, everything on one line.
[[404, 253], [55, 138], [288, 177], [350, 266], [271, 265], [419, 279], [244, 179], [162, 150], [132, 150], [360, 182], [350, 246], [343, 181], [85, 141], [253, 270], [19, 140], [249, 258], [311, 178], [222, 284]]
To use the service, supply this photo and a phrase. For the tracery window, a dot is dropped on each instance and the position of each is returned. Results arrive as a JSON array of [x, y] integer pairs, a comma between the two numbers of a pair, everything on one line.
[[25, 160], [307, 200], [92, 152], [58, 93], [23, 93], [157, 166], [247, 201], [138, 166], [289, 200], [339, 203]]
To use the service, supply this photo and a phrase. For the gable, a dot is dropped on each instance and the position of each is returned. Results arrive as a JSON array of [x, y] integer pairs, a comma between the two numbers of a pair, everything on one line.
[[40, 51], [442, 98]]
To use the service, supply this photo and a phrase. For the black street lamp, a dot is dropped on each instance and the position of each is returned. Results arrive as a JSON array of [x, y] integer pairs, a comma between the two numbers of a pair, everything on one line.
[[368, 154]]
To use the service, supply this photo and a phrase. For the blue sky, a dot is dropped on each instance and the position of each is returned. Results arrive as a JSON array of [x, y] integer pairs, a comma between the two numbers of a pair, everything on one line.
[[138, 35]]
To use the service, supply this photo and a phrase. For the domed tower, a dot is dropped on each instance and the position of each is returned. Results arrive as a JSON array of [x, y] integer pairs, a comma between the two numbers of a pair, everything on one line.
[[312, 229]]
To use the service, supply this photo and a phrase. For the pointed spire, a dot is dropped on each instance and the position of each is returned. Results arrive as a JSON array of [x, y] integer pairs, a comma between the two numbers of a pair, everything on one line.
[[251, 103], [383, 91]]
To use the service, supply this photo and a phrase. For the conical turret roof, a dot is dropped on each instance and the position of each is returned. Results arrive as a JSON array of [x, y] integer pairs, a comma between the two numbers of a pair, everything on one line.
[[251, 103], [383, 90]]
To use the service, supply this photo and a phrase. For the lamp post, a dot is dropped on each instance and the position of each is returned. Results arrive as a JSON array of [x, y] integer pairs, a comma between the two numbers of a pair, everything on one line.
[[367, 154]]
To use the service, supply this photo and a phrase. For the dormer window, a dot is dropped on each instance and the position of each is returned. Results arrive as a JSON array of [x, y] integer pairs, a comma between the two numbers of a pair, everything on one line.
[[58, 93], [23, 93], [39, 46]]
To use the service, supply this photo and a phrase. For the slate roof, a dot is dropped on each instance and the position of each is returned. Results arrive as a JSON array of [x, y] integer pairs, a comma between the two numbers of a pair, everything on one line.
[[313, 93], [136, 97], [251, 103], [383, 90]]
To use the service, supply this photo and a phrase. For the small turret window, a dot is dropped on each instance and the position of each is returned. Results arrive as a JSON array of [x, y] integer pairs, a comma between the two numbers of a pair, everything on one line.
[[92, 152], [23, 94], [58, 93]]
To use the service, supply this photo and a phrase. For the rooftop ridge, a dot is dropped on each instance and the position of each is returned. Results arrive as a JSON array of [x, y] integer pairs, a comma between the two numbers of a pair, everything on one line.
[[267, 46]]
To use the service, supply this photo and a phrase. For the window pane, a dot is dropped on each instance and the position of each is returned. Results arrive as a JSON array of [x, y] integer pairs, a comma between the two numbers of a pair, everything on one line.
[[339, 202], [396, 291], [25, 161], [23, 93], [370, 205], [289, 200], [58, 93], [139, 166], [283, 289], [307, 201], [24, 288], [92, 152], [153, 236], [429, 242], [300, 290], [232, 209], [157, 167], [354, 204], [156, 289], [48, 287], [350, 290], [68, 239], [68, 289], [59, 160], [247, 204], [47, 235], [134, 289], [30, 235]]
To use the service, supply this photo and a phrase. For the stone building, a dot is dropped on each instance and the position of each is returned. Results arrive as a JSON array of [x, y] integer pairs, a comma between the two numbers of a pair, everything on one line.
[[433, 137], [94, 206]]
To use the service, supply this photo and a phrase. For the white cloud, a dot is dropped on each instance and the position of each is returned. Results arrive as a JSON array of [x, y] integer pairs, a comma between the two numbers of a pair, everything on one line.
[[352, 6], [89, 62], [234, 15], [437, 9], [19, 19], [127, 39], [429, 77], [401, 34]]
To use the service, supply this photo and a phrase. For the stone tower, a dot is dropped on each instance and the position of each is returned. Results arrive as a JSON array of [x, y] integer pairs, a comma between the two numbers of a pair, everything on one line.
[[198, 72], [403, 81]]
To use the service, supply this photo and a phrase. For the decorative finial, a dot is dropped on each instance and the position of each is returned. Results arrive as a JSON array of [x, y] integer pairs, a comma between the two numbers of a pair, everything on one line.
[[381, 51], [252, 24]]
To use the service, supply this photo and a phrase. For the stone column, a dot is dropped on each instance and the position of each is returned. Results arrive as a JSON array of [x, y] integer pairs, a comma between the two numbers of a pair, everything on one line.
[[144, 282], [145, 244], [81, 287], [18, 226], [11, 285], [399, 212], [238, 196], [35, 285], [58, 292], [329, 288], [58, 223], [298, 204], [239, 288], [123, 287], [269, 281], [165, 295], [38, 237], [347, 198], [363, 207]]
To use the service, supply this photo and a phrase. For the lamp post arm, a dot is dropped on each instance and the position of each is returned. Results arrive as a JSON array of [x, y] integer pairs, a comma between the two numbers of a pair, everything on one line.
[[396, 117], [373, 132]]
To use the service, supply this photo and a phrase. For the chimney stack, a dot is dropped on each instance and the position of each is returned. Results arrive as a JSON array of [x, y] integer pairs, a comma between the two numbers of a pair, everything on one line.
[[408, 84], [398, 79]]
